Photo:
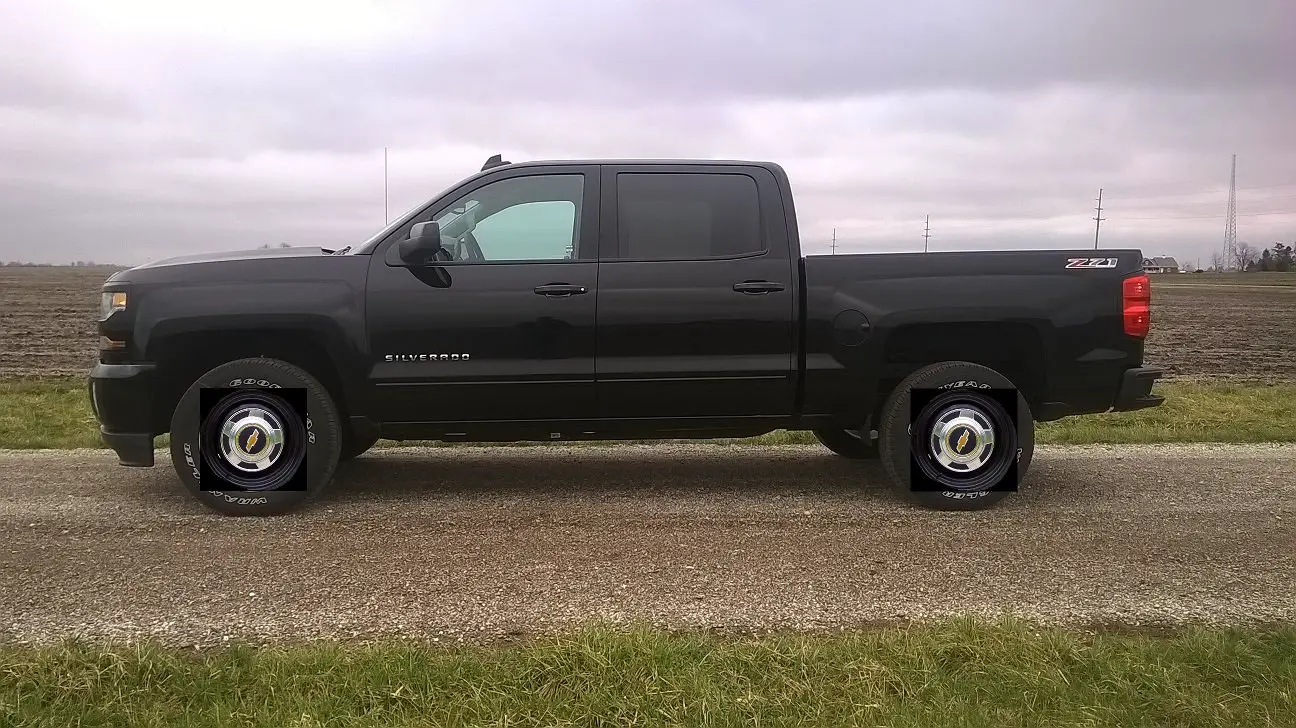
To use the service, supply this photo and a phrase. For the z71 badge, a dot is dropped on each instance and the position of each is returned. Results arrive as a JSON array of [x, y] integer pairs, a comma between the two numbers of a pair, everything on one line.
[[1091, 262]]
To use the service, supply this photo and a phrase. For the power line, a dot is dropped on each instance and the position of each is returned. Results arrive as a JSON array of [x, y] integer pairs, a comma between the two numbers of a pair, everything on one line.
[[1212, 217], [1211, 191], [1201, 203], [1206, 188]]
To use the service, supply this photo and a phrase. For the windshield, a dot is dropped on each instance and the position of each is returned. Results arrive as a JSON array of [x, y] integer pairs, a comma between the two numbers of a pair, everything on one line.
[[452, 219], [368, 245]]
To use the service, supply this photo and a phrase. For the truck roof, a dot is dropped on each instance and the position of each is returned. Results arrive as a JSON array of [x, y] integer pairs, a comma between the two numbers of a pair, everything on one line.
[[495, 162]]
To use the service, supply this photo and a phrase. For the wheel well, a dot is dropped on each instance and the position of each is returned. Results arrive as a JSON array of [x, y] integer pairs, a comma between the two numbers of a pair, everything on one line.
[[1014, 350], [182, 358]]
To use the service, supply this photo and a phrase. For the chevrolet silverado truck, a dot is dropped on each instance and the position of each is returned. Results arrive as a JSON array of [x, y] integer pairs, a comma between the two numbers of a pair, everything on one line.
[[611, 300]]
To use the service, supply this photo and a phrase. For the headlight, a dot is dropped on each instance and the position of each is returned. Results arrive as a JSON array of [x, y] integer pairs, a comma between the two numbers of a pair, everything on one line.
[[110, 302]]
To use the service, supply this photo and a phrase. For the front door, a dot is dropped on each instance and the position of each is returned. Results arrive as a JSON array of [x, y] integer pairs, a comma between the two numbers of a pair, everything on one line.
[[501, 325]]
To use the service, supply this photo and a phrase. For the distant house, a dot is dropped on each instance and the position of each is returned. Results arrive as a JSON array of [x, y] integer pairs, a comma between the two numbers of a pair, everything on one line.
[[1160, 265]]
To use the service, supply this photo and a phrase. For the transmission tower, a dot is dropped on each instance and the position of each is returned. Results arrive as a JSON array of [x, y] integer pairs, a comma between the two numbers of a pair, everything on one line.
[[926, 232], [1230, 219]]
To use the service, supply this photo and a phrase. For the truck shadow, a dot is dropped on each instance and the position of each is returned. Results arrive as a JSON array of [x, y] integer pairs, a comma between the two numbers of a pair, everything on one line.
[[398, 478], [593, 474], [534, 470]]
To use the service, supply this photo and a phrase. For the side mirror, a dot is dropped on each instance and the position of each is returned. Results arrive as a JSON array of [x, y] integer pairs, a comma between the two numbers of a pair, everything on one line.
[[423, 242]]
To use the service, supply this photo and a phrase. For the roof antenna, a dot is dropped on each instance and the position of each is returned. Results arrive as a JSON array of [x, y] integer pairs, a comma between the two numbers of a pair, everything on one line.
[[495, 161]]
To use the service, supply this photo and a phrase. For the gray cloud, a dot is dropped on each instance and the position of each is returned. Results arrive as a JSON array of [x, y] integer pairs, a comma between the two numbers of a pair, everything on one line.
[[150, 133]]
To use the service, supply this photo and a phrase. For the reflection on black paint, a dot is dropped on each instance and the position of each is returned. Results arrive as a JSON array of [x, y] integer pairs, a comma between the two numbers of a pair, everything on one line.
[[546, 337]]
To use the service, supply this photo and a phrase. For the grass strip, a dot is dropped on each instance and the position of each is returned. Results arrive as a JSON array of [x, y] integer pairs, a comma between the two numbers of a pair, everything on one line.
[[952, 673], [55, 413]]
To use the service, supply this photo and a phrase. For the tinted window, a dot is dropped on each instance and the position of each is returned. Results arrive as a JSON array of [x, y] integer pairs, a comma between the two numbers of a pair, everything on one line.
[[676, 215], [520, 218]]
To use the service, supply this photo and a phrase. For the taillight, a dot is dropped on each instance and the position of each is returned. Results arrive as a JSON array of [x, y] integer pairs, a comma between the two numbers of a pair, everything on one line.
[[1136, 302]]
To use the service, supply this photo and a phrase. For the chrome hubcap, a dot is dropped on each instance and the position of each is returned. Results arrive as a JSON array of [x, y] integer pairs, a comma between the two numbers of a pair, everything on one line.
[[962, 439], [252, 439]]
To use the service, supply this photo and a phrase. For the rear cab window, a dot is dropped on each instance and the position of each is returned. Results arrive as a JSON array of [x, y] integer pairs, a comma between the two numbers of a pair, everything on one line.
[[687, 216]]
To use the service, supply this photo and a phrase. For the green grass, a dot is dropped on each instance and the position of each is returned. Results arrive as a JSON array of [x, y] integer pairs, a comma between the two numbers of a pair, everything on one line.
[[55, 413], [46, 413], [1192, 412], [956, 673]]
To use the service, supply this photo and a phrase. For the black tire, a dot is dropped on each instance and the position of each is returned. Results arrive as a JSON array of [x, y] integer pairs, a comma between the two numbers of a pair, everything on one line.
[[352, 447], [847, 443], [899, 446], [313, 444]]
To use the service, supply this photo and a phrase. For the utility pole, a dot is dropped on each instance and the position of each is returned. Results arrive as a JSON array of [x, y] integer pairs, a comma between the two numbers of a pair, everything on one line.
[[926, 232], [1098, 218], [1230, 219], [386, 218], [834, 242]]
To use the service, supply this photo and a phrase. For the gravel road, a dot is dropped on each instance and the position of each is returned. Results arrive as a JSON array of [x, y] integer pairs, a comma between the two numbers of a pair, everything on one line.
[[475, 543]]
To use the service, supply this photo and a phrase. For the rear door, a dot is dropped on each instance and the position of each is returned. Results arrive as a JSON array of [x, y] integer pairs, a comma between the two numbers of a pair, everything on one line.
[[696, 295]]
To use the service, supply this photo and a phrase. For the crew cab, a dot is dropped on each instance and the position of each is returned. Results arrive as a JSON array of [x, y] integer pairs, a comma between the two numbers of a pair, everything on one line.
[[611, 300]]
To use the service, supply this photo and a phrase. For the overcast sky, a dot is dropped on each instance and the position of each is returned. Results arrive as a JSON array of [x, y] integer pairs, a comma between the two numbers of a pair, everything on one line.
[[139, 130]]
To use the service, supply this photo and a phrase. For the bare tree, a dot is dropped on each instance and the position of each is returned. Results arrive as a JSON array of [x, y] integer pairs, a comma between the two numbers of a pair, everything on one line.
[[1245, 255], [1217, 261]]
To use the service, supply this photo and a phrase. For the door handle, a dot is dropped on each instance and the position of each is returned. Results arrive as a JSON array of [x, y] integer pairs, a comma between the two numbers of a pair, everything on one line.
[[560, 290], [756, 288]]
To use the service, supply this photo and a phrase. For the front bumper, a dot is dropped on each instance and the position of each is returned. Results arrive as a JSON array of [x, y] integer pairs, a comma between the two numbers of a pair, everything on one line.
[[1136, 390], [121, 396]]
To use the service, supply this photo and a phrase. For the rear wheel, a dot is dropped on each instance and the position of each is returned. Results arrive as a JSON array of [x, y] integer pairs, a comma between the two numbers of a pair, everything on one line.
[[853, 444], [267, 457], [963, 440]]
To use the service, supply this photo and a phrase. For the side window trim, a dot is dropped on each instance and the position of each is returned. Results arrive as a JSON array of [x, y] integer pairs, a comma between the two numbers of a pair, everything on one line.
[[610, 247], [586, 246], [698, 258]]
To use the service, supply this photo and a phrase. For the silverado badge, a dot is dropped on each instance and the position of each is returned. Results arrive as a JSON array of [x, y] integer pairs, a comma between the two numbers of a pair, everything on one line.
[[426, 357]]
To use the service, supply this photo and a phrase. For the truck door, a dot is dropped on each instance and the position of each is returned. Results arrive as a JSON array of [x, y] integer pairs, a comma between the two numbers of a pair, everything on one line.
[[500, 326], [696, 297]]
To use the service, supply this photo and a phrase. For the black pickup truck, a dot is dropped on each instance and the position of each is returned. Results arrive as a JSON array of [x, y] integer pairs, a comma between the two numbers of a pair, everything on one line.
[[611, 300]]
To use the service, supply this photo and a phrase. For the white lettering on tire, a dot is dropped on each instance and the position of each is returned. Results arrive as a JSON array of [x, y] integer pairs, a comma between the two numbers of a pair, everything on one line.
[[240, 500], [957, 495], [189, 460], [964, 383], [249, 382]]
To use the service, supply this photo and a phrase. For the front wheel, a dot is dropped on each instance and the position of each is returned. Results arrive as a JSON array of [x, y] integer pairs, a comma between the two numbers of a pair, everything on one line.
[[964, 445], [241, 425]]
